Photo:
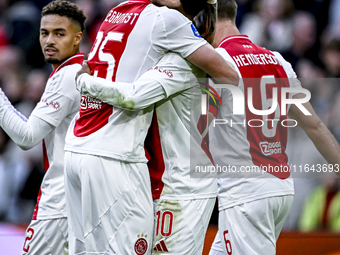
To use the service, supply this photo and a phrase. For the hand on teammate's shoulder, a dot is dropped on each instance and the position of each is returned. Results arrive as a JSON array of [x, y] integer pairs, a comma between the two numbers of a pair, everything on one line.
[[84, 69]]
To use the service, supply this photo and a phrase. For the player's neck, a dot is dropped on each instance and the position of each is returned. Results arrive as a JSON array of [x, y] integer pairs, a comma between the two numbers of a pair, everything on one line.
[[55, 65], [224, 29]]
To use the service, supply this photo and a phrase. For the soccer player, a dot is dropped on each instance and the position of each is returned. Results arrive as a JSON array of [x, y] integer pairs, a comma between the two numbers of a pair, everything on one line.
[[132, 39], [182, 205], [254, 206], [61, 31]]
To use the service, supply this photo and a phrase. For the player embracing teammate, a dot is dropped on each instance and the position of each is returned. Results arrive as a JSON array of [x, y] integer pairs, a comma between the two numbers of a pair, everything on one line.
[[107, 180]]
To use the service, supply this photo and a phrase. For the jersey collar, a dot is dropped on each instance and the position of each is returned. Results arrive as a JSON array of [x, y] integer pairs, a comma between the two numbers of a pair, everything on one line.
[[75, 59], [233, 37]]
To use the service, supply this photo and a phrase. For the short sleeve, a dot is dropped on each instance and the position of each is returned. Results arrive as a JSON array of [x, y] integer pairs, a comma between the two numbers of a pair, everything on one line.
[[176, 33], [228, 58], [293, 80]]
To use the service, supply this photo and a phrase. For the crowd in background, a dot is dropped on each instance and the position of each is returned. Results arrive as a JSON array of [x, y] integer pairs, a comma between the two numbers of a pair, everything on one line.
[[305, 32]]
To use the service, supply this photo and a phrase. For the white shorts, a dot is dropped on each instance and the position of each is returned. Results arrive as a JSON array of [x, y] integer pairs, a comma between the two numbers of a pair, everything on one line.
[[181, 225], [46, 237], [109, 206], [251, 228]]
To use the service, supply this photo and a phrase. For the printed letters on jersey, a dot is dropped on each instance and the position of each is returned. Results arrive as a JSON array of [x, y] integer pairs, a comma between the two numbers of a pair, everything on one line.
[[267, 147], [104, 59]]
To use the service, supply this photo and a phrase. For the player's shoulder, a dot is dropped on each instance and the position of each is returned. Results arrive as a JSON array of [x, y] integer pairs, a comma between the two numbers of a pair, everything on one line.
[[279, 57], [68, 73], [172, 17], [175, 60], [285, 64], [63, 81], [224, 53], [164, 10]]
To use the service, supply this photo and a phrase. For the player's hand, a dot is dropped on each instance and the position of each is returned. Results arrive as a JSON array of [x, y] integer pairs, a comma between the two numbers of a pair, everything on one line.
[[84, 69]]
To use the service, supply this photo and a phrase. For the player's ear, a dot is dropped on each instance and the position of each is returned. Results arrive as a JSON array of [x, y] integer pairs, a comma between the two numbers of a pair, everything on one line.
[[77, 38]]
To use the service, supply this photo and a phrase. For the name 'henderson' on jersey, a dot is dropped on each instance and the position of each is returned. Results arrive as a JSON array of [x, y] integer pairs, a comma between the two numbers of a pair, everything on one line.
[[245, 146], [254, 63]]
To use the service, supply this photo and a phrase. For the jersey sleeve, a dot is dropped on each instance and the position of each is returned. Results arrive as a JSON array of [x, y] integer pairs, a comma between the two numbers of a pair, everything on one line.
[[26, 133], [173, 73], [130, 96], [176, 33], [228, 58], [59, 97], [293, 80]]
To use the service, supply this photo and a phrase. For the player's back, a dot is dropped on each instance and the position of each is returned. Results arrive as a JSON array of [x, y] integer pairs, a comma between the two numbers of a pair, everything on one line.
[[252, 142], [133, 37], [263, 77]]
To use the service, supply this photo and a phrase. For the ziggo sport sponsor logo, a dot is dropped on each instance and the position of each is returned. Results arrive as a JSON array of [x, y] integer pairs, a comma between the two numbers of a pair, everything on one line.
[[270, 148], [90, 103]]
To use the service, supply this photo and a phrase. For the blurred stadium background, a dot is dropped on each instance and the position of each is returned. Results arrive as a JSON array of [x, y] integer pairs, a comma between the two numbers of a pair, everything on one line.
[[305, 32]]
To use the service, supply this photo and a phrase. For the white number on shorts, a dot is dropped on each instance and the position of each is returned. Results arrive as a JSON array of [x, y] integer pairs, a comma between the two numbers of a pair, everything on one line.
[[103, 56], [167, 220], [28, 238], [227, 243]]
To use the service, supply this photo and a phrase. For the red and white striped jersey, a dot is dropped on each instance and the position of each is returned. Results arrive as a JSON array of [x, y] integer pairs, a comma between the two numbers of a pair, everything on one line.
[[58, 105], [132, 39], [249, 142]]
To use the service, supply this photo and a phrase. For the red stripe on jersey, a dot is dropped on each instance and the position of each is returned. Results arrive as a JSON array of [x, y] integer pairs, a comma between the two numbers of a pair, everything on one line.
[[213, 110], [46, 166], [45, 157], [202, 125], [75, 59], [242, 50], [104, 59], [156, 164], [35, 212]]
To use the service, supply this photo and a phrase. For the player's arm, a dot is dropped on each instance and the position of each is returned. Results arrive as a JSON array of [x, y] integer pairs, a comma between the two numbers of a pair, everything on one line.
[[130, 96], [207, 59], [153, 86], [320, 135], [25, 133], [181, 38]]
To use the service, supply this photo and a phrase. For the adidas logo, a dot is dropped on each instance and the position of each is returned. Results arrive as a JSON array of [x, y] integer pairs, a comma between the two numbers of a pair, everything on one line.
[[160, 246]]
